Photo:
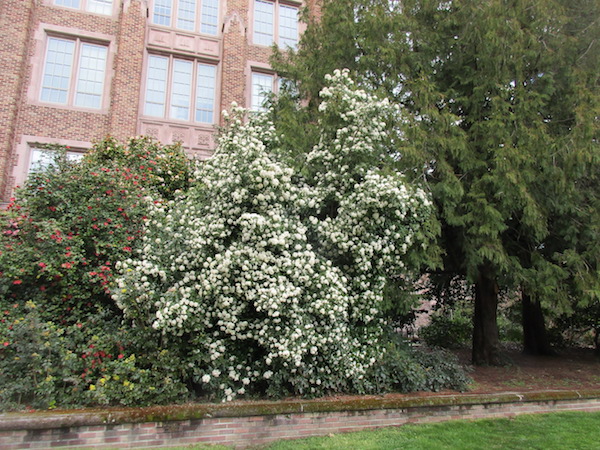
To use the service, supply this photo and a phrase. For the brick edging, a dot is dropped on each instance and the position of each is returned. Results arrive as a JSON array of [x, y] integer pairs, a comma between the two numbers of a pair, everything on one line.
[[40, 420]]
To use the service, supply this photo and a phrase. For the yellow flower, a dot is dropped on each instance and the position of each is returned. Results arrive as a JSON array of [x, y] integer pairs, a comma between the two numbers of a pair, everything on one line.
[[102, 381], [92, 387]]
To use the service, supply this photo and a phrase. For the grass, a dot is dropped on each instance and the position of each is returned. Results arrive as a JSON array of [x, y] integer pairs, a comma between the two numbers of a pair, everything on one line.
[[553, 431], [566, 430]]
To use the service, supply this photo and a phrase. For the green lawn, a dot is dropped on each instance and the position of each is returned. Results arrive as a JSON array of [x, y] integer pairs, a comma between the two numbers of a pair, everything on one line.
[[568, 430], [559, 431]]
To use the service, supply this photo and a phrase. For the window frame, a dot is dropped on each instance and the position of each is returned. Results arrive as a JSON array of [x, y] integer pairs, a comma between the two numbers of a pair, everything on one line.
[[169, 90], [277, 24], [86, 6], [174, 15], [75, 76], [253, 107]]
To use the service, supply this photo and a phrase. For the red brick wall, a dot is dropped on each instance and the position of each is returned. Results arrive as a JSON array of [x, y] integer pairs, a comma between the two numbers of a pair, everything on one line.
[[44, 430], [22, 45], [15, 16]]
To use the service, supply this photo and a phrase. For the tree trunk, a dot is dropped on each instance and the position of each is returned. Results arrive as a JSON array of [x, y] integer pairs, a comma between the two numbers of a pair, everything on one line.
[[535, 337], [486, 342]]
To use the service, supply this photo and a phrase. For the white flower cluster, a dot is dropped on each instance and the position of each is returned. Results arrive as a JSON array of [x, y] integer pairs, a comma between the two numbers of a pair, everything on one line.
[[268, 290]]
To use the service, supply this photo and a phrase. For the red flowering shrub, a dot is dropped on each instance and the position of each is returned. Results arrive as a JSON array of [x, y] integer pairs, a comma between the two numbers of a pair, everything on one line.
[[70, 223], [60, 238]]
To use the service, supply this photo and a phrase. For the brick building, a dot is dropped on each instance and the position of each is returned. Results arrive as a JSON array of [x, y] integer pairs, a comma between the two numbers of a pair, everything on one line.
[[74, 71]]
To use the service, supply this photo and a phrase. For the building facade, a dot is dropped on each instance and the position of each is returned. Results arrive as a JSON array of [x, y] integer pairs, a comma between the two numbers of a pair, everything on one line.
[[75, 71]]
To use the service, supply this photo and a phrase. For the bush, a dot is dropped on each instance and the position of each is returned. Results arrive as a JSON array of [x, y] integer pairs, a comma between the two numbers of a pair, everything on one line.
[[448, 329], [273, 281], [409, 369], [72, 222], [60, 240]]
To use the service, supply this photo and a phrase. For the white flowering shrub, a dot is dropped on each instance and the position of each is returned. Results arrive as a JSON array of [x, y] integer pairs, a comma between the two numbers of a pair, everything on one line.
[[272, 282]]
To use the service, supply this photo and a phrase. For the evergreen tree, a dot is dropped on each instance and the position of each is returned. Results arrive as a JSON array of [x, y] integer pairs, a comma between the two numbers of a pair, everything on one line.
[[503, 100]]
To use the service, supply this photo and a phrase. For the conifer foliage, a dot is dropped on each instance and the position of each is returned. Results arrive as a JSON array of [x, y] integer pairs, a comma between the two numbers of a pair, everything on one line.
[[502, 101]]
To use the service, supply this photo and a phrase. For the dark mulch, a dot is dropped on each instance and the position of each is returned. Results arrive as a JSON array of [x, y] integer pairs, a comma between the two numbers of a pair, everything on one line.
[[571, 369]]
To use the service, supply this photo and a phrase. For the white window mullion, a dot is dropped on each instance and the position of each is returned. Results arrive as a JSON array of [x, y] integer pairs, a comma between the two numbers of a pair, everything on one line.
[[263, 22], [156, 86], [100, 6], [262, 86], [186, 14], [68, 3], [162, 12], [181, 84], [58, 69], [209, 17], [288, 26], [205, 93], [90, 75]]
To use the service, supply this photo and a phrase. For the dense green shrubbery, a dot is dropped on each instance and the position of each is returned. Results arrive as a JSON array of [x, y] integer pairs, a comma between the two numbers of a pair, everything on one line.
[[451, 327], [409, 369]]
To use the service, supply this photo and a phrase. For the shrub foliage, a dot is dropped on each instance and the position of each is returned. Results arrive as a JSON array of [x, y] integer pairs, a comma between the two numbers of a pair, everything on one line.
[[257, 278]]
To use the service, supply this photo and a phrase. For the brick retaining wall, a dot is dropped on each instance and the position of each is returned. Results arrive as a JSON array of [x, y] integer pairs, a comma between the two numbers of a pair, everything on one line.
[[255, 423]]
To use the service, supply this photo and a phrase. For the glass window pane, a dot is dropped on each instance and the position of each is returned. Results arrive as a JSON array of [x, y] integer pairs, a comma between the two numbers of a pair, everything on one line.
[[210, 16], [100, 6], [162, 12], [181, 87], [186, 14], [156, 86], [69, 3], [262, 86], [57, 70], [288, 26], [263, 22], [75, 156], [40, 159], [90, 80], [205, 93]]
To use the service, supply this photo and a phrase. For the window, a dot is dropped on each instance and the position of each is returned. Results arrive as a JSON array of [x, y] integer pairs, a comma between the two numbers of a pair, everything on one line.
[[180, 88], [94, 6], [275, 21], [74, 73], [41, 158], [190, 15], [262, 86]]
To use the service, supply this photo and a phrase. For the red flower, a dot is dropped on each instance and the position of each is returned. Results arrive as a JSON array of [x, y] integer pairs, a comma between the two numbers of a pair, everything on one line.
[[52, 208], [121, 356], [127, 249], [6, 344], [42, 265], [18, 282]]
